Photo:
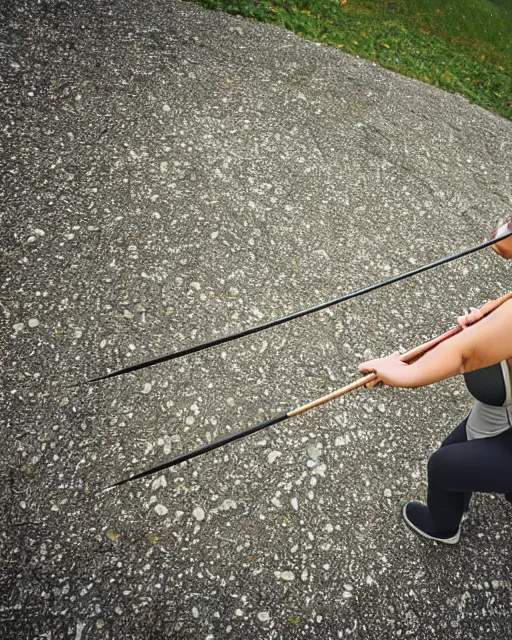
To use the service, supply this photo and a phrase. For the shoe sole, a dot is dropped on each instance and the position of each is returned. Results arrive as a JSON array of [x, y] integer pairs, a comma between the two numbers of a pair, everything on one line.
[[453, 540]]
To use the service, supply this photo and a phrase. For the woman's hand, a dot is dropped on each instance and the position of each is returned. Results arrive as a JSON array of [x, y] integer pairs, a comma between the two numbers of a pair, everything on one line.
[[503, 248], [389, 370], [477, 314], [473, 316]]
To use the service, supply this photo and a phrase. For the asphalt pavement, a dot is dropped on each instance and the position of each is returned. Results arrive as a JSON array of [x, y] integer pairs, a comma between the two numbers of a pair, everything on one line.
[[169, 175]]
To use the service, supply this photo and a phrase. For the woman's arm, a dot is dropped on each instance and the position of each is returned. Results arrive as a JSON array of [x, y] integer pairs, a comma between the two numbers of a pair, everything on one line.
[[487, 342]]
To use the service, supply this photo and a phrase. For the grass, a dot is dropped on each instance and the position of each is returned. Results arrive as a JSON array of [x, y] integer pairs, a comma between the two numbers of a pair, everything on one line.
[[463, 46]]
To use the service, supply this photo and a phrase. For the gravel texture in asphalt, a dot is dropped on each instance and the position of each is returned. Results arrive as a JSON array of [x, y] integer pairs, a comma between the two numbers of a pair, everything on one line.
[[169, 175]]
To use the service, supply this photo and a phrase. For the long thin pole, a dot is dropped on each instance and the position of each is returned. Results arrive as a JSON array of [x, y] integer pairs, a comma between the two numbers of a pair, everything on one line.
[[293, 316], [410, 356]]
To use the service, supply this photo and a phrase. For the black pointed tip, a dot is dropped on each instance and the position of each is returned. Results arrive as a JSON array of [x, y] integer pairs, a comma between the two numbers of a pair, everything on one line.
[[74, 385], [112, 374], [103, 377], [106, 490], [112, 486], [93, 380], [142, 474]]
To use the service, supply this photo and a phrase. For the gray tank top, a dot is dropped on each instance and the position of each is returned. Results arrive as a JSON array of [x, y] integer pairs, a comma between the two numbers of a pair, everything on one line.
[[492, 389]]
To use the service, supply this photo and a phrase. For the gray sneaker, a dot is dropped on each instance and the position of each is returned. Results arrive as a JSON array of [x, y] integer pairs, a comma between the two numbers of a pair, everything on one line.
[[417, 517]]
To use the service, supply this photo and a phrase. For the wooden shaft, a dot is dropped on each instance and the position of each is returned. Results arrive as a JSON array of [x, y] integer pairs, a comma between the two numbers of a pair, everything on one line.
[[335, 394]]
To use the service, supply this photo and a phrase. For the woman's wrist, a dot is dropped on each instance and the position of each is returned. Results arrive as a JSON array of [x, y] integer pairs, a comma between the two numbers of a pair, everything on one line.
[[390, 370]]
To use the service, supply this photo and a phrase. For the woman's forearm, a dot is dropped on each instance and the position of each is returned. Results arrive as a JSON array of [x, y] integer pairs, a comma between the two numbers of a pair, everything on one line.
[[444, 361]]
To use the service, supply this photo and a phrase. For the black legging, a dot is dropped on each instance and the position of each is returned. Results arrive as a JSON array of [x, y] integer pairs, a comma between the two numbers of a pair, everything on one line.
[[460, 467]]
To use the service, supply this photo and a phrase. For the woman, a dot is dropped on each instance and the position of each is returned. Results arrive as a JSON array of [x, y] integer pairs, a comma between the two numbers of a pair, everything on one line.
[[477, 456]]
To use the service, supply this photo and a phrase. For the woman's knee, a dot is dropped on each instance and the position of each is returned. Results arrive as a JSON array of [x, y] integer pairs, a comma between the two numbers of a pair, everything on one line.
[[439, 467]]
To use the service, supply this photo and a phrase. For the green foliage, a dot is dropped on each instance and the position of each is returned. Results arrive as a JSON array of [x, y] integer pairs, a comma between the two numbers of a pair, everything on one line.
[[459, 45], [153, 538], [113, 536]]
